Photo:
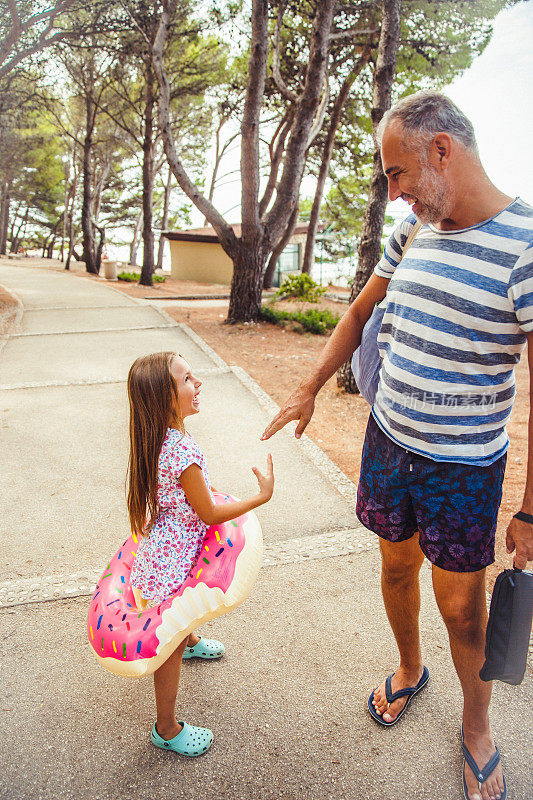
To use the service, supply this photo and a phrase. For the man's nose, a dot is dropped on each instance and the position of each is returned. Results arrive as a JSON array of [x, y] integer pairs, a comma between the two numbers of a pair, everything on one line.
[[394, 191]]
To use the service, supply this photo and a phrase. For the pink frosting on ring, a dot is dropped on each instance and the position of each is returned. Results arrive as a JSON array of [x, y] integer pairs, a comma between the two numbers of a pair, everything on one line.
[[115, 627]]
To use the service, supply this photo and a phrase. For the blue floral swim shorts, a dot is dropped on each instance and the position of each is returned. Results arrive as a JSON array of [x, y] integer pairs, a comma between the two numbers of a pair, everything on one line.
[[453, 506]]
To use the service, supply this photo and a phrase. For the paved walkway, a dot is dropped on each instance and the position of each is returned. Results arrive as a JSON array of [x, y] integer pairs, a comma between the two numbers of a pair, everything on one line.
[[287, 703]]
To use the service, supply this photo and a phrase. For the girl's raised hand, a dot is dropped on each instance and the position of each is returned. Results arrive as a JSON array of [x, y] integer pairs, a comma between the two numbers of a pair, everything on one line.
[[266, 482]]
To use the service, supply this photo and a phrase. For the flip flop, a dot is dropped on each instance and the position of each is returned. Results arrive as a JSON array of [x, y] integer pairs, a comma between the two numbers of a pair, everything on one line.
[[480, 774], [205, 648], [191, 741], [409, 692]]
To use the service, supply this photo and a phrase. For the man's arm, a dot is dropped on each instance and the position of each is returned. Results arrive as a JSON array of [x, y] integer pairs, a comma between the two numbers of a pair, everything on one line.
[[340, 346], [520, 534]]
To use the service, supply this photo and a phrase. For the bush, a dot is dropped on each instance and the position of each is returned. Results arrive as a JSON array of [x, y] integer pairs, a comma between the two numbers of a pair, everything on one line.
[[133, 277], [312, 320], [302, 287]]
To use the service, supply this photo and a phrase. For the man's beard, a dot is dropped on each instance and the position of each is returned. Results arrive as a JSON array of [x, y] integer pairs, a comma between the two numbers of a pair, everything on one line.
[[434, 197]]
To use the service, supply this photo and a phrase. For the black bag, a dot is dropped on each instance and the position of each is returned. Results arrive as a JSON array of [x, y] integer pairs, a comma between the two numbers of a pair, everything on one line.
[[509, 627]]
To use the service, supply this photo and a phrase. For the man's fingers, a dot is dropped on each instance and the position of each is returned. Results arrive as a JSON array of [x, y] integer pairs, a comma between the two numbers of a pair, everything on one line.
[[277, 424], [300, 407], [302, 425]]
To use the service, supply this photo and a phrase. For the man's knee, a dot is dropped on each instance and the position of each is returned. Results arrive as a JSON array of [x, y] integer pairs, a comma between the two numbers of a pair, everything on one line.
[[461, 616], [401, 561], [461, 604]]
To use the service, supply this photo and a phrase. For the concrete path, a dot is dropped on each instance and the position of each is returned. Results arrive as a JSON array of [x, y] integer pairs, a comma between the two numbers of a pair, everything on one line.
[[287, 703]]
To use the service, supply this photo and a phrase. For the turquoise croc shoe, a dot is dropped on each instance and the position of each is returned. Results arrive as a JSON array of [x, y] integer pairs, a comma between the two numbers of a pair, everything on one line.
[[205, 648], [190, 741]]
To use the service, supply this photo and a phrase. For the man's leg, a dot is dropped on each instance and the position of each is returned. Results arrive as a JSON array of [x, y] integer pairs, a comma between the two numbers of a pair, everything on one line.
[[401, 562], [462, 602]]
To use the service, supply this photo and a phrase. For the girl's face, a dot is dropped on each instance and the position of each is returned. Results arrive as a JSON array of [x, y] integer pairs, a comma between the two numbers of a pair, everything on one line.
[[187, 385]]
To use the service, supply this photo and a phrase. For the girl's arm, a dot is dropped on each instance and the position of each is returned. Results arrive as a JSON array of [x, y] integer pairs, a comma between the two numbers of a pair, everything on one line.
[[197, 494]]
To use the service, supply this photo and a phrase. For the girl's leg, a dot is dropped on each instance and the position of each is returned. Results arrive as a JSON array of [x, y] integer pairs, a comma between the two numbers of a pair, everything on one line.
[[166, 680]]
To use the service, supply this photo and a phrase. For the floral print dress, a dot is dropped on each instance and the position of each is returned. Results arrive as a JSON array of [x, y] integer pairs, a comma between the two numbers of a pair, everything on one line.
[[167, 553]]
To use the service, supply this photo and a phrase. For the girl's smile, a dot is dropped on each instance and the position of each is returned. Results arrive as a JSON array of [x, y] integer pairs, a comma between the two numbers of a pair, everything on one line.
[[187, 385]]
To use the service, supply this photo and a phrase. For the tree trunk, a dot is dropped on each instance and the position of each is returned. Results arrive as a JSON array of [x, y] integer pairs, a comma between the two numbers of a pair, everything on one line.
[[338, 106], [52, 240], [16, 237], [101, 243], [147, 270], [89, 247], [72, 200], [247, 285], [4, 217], [278, 250], [369, 250], [134, 246], [308, 102], [14, 219], [164, 220], [66, 172]]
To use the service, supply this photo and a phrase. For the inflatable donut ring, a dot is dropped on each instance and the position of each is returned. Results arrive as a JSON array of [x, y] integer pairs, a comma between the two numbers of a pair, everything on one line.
[[134, 643]]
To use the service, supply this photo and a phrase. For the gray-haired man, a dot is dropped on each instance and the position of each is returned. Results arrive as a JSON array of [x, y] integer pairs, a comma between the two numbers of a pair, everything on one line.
[[459, 312]]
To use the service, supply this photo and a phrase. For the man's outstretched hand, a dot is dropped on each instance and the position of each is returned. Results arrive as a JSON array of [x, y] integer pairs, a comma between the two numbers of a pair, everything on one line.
[[300, 405]]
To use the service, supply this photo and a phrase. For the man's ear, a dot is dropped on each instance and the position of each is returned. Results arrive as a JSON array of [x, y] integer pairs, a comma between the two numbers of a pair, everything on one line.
[[440, 152]]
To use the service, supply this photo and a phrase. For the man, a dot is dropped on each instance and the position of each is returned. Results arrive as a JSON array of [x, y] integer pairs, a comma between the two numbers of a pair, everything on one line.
[[459, 312]]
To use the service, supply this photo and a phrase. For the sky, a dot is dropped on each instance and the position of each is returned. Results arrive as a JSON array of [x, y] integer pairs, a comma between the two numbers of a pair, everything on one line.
[[496, 94]]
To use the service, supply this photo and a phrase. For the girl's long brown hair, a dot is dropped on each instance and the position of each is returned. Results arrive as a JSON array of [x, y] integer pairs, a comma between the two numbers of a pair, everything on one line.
[[154, 406]]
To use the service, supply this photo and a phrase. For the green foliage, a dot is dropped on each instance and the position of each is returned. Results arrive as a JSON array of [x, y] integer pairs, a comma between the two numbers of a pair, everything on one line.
[[31, 162], [133, 277], [301, 287], [312, 320], [439, 40]]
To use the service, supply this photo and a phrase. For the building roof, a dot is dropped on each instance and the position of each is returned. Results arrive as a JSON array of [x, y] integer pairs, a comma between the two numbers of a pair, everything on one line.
[[208, 234]]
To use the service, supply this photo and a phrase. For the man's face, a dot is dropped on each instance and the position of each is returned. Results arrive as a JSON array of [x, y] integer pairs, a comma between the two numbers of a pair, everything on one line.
[[413, 178]]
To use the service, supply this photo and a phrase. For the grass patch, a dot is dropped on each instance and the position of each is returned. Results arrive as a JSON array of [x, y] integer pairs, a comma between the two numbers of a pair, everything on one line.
[[133, 277], [312, 320]]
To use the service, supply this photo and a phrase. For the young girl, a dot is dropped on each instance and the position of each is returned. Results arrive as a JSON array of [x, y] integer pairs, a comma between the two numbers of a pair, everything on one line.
[[171, 505]]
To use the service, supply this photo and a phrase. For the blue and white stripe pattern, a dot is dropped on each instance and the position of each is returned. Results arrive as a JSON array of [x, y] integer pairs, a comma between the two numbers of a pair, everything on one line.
[[459, 306]]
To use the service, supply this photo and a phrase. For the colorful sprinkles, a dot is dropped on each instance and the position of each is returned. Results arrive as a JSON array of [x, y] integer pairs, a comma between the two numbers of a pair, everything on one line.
[[122, 644]]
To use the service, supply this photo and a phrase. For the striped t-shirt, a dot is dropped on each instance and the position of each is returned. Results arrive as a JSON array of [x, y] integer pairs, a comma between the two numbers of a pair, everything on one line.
[[459, 306]]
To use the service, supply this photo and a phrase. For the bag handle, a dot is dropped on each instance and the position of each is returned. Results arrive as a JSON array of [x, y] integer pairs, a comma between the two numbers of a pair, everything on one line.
[[408, 242], [412, 236]]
